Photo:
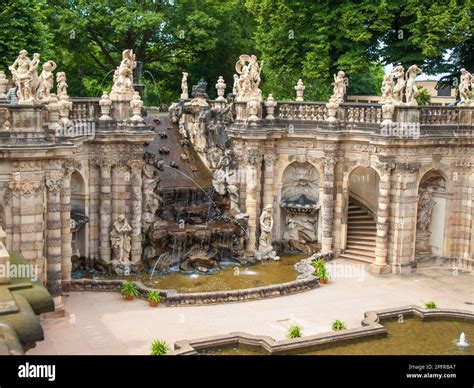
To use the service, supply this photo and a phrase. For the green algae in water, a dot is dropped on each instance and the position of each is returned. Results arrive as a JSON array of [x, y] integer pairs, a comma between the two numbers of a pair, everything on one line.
[[410, 337], [227, 278]]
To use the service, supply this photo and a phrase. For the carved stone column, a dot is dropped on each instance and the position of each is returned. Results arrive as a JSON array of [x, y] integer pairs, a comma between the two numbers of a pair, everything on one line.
[[329, 163], [53, 235], [403, 220], [383, 213], [105, 208], [253, 165], [66, 235], [136, 209], [269, 176]]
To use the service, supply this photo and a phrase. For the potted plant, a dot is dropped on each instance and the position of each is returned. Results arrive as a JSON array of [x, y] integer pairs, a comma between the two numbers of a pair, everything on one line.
[[159, 348], [294, 332], [129, 291], [320, 270], [338, 325], [153, 298]]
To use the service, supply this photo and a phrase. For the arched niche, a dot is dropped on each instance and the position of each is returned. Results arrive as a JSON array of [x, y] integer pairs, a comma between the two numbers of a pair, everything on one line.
[[79, 216], [363, 186], [431, 215], [300, 204]]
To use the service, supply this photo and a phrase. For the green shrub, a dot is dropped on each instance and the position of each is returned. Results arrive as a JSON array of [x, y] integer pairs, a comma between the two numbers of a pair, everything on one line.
[[129, 290], [154, 296], [294, 332], [430, 305], [423, 97], [338, 325], [159, 348]]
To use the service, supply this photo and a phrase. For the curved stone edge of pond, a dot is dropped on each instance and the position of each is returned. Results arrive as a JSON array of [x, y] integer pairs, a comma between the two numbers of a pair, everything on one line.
[[173, 298], [371, 328]]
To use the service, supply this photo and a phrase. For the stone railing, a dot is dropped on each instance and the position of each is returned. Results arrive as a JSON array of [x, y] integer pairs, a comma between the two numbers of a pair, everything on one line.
[[85, 109], [358, 116], [361, 113], [313, 111]]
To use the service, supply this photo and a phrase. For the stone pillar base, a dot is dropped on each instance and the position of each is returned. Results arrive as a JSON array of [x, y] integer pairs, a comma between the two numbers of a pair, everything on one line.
[[380, 269], [59, 310]]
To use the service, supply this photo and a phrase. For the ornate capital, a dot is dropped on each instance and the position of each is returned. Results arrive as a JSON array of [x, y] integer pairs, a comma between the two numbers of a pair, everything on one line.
[[135, 165], [105, 163], [270, 158], [53, 185], [384, 167], [407, 167], [253, 156], [25, 187]]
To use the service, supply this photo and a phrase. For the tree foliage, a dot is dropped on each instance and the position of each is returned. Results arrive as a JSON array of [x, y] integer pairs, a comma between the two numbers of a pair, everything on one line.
[[314, 39], [22, 27], [308, 39], [202, 37]]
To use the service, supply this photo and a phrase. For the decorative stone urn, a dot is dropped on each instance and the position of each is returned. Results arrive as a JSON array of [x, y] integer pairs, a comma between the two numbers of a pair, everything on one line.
[[220, 87], [105, 104], [300, 90], [270, 104]]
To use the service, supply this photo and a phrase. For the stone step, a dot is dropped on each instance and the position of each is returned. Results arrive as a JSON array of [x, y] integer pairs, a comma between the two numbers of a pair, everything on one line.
[[354, 240], [369, 237], [360, 217], [361, 222], [356, 256], [362, 229], [354, 246]]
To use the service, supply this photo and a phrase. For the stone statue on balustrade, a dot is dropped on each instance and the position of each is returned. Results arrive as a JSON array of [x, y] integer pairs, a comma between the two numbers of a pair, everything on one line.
[[25, 75], [387, 90], [265, 248], [46, 80], [411, 90], [123, 77], [340, 88], [120, 241], [249, 71], [399, 74], [464, 87], [61, 86], [224, 180]]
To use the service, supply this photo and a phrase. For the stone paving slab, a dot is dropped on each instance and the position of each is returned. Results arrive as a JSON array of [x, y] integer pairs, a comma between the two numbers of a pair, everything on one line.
[[106, 324]]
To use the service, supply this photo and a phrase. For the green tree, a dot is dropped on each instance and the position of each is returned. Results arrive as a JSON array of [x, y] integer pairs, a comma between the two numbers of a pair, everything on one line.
[[314, 39], [22, 27], [202, 37]]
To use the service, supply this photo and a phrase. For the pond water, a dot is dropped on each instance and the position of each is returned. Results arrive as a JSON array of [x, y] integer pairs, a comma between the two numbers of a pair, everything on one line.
[[410, 337], [231, 276]]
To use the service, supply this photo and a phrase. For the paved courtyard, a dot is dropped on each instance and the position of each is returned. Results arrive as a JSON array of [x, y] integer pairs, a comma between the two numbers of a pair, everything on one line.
[[103, 323]]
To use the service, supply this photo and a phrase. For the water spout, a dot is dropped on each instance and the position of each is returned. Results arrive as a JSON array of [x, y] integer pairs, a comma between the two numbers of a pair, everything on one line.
[[462, 341]]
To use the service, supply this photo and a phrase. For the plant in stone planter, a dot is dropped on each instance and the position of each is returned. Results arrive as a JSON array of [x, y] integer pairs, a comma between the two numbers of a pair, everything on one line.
[[294, 332], [129, 291], [338, 325], [153, 298], [430, 305], [159, 348]]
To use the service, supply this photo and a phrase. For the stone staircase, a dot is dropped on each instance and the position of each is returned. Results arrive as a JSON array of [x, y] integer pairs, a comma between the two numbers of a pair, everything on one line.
[[361, 231]]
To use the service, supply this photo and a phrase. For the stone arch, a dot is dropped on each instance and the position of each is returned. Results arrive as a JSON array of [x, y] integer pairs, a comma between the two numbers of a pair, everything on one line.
[[431, 214], [79, 215], [299, 203], [360, 186]]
